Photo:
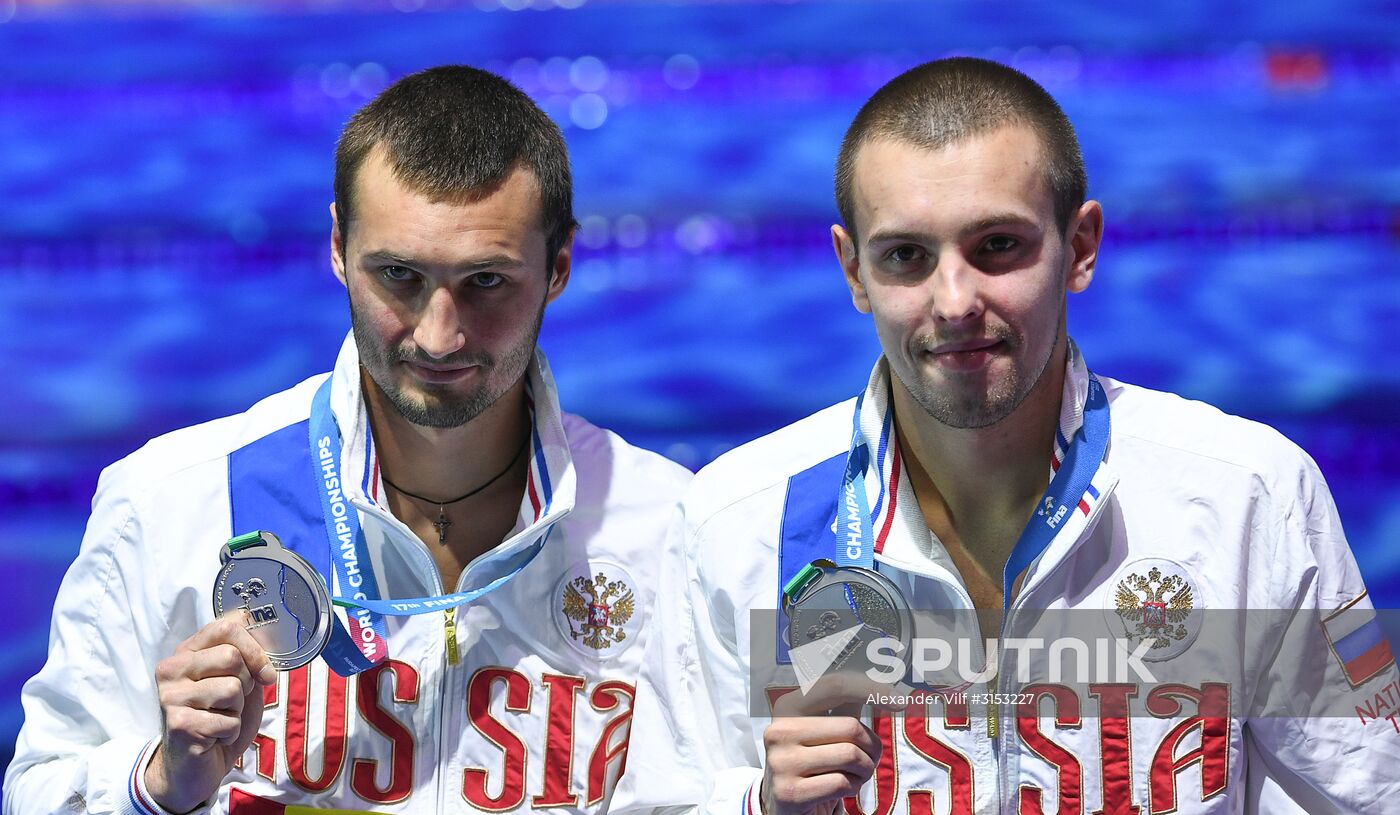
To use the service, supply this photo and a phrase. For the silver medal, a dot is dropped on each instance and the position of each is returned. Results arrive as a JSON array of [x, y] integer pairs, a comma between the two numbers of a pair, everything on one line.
[[825, 600], [286, 599]]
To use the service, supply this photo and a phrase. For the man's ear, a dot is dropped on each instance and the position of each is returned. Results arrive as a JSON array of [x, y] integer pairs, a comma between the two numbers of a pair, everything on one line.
[[1086, 232], [562, 266], [846, 255], [337, 248]]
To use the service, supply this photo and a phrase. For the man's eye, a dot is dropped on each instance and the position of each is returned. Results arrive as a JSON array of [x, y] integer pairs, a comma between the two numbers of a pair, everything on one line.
[[487, 280], [397, 274], [905, 254], [1000, 243]]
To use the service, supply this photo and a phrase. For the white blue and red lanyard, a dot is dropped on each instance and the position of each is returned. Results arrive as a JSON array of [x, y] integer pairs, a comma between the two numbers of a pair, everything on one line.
[[854, 530], [365, 646]]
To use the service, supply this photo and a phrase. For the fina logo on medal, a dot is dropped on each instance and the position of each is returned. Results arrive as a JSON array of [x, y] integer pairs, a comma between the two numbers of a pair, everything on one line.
[[1156, 601], [247, 592], [597, 609]]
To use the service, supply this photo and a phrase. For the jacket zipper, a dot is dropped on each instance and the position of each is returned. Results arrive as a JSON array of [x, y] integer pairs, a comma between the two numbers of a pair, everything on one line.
[[449, 635], [1090, 523], [394, 526]]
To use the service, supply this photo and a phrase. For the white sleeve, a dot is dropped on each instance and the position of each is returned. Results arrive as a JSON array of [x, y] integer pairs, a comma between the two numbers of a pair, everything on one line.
[[692, 740], [1313, 747], [91, 715]]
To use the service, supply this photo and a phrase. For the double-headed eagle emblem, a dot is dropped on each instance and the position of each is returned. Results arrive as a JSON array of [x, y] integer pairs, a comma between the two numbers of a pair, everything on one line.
[[1158, 606], [600, 616]]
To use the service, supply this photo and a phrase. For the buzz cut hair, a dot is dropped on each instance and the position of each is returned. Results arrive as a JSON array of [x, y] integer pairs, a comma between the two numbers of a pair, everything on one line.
[[455, 133], [948, 101]]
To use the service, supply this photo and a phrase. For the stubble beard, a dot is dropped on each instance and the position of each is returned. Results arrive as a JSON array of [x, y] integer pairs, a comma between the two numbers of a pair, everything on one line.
[[437, 406], [969, 409]]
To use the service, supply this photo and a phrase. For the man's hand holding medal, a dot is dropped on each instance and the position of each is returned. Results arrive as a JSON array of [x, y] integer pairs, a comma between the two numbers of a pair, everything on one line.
[[272, 613], [211, 701], [818, 751]]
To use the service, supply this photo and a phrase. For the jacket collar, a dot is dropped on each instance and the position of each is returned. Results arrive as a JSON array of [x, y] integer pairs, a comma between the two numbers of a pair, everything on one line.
[[902, 536], [550, 487]]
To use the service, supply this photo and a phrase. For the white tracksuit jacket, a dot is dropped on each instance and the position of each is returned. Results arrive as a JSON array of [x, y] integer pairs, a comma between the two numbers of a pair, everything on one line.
[[534, 715], [1225, 507]]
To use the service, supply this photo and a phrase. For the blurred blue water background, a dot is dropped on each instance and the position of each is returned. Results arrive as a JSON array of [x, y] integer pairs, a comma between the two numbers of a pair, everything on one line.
[[165, 170]]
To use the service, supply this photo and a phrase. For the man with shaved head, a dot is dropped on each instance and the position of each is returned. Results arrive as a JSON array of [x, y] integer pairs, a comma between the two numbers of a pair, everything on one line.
[[491, 558], [826, 575]]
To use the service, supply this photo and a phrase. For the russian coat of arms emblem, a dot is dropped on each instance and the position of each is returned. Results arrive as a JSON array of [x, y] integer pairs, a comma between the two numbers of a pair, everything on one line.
[[1155, 607], [597, 609]]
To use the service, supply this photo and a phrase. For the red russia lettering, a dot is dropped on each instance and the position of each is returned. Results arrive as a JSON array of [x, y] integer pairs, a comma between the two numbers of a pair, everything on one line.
[[1069, 791], [559, 742], [1212, 723], [512, 777], [1115, 748], [918, 736], [494, 789], [609, 757], [403, 681], [958, 766], [334, 742], [298, 730], [606, 761]]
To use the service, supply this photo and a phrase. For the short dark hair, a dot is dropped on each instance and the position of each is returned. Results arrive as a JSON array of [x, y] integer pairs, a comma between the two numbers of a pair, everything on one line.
[[950, 100], [455, 133]]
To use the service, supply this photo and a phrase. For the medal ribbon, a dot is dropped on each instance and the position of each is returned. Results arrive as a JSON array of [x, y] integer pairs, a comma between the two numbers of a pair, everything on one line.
[[1082, 460], [855, 532], [366, 645], [855, 539], [350, 555]]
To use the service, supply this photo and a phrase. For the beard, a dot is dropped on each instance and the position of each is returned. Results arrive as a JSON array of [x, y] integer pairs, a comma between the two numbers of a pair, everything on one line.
[[964, 405], [439, 406]]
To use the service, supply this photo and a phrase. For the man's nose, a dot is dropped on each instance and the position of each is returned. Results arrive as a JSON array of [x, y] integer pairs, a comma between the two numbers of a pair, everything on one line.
[[957, 293], [439, 330]]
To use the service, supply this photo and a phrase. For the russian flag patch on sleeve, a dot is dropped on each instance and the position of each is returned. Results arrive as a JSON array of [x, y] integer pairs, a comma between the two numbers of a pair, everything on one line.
[[1357, 640]]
